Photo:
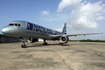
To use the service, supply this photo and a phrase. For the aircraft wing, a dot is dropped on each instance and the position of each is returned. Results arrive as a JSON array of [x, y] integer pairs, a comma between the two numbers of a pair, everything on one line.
[[55, 36]]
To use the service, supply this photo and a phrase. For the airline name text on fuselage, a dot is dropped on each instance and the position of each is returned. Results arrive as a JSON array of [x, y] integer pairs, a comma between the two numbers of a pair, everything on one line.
[[37, 28]]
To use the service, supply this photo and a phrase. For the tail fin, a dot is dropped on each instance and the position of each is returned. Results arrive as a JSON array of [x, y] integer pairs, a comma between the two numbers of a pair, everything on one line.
[[64, 29]]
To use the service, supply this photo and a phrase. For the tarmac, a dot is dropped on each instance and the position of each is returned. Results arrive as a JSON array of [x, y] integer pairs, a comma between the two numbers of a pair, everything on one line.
[[71, 56]]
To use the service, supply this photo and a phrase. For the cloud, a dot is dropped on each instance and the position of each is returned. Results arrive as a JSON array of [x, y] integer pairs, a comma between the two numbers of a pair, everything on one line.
[[67, 4], [54, 17], [45, 13], [46, 16], [59, 29], [83, 15]]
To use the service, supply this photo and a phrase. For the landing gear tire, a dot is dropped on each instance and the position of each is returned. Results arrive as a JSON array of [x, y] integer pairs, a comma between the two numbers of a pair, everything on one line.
[[61, 43], [23, 46], [45, 44]]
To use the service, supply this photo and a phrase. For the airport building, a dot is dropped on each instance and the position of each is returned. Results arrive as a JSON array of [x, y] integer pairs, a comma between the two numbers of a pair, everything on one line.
[[7, 39]]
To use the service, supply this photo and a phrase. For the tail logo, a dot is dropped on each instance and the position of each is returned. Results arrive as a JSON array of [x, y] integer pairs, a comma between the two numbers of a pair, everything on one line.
[[64, 29]]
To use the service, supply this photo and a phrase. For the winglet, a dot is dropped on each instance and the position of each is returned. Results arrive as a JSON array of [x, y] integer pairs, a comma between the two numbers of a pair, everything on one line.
[[64, 29]]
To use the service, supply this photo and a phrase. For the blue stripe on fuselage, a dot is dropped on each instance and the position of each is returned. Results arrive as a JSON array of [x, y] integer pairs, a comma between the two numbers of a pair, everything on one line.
[[34, 27], [29, 26]]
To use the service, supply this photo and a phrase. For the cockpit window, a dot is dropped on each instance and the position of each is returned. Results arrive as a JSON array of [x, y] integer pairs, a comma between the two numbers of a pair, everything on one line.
[[19, 25], [11, 24], [14, 24]]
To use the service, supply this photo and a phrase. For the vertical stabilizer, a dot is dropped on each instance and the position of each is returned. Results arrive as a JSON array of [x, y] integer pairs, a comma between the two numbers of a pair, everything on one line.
[[64, 29]]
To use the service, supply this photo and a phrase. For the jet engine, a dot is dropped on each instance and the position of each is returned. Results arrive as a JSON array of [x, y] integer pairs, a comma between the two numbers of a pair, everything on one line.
[[64, 39], [32, 40]]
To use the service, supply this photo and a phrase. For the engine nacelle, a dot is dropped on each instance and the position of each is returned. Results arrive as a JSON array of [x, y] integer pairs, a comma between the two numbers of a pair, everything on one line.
[[32, 40], [64, 39]]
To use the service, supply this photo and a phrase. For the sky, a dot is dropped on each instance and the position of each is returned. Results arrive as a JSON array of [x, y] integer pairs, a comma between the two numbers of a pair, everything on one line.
[[81, 16]]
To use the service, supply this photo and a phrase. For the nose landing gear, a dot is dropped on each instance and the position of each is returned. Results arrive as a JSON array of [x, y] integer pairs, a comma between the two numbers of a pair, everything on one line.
[[23, 45]]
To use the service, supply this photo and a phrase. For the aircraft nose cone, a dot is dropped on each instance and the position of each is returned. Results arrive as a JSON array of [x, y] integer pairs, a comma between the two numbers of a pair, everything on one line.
[[8, 30], [4, 30]]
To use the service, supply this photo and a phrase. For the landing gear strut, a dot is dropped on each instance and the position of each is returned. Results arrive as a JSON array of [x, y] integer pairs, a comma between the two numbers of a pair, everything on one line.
[[45, 43], [23, 45]]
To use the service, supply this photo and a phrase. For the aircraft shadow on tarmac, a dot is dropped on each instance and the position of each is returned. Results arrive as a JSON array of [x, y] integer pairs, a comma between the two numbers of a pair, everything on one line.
[[41, 45]]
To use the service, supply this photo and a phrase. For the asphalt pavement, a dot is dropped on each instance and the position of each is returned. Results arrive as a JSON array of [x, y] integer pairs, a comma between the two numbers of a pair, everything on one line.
[[71, 56]]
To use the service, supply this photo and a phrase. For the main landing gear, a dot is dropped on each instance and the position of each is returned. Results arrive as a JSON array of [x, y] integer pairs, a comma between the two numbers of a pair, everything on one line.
[[61, 43], [45, 43], [23, 45]]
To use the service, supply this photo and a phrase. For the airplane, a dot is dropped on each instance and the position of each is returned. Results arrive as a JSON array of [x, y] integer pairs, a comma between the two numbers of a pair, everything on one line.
[[30, 31]]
